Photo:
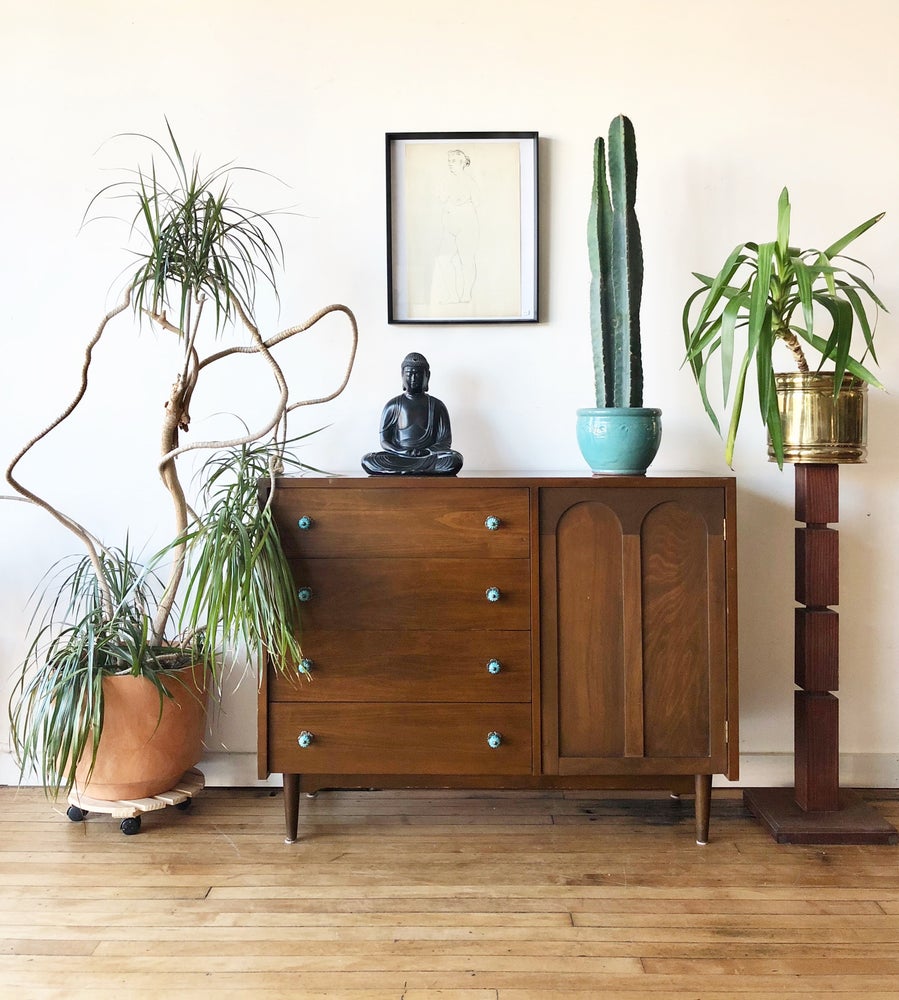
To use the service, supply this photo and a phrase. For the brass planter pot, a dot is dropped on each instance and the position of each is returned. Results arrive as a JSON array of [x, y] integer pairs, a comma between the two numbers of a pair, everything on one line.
[[819, 427]]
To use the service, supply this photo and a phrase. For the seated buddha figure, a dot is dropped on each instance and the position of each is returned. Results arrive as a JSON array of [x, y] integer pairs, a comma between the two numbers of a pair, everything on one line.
[[415, 430]]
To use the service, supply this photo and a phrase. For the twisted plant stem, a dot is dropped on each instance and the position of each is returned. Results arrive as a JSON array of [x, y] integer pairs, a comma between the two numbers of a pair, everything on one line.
[[791, 341], [177, 419], [91, 543]]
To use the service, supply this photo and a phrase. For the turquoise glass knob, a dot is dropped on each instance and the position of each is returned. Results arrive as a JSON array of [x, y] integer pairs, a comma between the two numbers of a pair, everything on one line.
[[493, 594], [494, 740], [494, 666], [492, 523], [305, 739], [305, 666], [304, 594], [304, 523]]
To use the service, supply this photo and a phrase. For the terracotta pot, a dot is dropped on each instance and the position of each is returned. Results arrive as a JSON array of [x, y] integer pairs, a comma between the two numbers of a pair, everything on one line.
[[140, 753]]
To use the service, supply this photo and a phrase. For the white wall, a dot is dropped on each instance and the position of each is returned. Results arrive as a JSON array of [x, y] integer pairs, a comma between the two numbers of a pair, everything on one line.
[[730, 102]]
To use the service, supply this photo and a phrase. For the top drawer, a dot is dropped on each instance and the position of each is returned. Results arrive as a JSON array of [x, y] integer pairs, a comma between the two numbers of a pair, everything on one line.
[[339, 522]]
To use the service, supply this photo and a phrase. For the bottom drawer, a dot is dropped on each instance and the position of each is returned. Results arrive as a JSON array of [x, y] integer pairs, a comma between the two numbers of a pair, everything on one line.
[[399, 738]]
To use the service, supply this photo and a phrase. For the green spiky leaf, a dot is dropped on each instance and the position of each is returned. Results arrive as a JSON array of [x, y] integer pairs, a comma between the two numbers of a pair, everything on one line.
[[762, 288]]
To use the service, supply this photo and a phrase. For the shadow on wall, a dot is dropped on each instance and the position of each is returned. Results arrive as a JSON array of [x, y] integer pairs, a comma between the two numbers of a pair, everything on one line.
[[883, 418], [766, 602], [467, 396], [869, 541]]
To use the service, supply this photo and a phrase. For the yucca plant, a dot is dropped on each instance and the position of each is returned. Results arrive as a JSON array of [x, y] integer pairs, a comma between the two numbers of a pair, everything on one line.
[[774, 293], [200, 260], [616, 267]]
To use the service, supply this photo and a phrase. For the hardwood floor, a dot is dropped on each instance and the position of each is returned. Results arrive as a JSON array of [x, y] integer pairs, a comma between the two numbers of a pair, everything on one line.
[[440, 896]]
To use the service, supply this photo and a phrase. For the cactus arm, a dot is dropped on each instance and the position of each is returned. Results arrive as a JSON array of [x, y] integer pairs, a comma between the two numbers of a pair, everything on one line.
[[599, 247], [627, 263]]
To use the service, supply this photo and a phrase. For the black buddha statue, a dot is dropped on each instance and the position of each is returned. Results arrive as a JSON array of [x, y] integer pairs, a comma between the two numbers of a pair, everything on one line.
[[415, 430]]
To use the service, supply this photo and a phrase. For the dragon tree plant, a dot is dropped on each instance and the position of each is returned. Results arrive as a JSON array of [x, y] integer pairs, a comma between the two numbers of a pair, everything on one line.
[[616, 266], [200, 258], [773, 293]]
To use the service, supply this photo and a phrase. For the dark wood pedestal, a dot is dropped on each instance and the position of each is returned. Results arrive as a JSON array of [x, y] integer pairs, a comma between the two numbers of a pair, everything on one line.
[[816, 810]]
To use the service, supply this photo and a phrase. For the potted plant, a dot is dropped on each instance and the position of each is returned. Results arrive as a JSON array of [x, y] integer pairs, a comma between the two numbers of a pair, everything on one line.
[[772, 293], [108, 621], [619, 435]]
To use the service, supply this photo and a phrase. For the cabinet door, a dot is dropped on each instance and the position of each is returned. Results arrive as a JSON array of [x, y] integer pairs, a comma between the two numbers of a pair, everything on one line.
[[634, 630]]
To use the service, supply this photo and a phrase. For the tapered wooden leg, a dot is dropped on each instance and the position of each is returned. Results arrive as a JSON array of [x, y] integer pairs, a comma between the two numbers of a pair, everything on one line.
[[703, 807], [291, 806]]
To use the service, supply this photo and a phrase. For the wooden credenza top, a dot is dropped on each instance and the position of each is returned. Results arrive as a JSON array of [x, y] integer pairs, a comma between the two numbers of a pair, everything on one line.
[[504, 477]]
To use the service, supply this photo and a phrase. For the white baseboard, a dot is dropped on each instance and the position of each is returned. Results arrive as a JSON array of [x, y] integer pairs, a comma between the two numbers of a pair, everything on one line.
[[757, 770], [857, 770]]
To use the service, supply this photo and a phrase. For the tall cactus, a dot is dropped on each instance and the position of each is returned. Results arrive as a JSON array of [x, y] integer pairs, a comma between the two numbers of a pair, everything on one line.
[[616, 265]]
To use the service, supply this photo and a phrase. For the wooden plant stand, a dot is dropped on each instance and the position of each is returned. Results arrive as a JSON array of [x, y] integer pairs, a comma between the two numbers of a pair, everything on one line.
[[129, 810], [816, 810]]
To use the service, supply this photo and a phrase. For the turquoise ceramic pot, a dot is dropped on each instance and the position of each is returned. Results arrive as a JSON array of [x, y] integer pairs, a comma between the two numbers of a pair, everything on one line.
[[619, 441]]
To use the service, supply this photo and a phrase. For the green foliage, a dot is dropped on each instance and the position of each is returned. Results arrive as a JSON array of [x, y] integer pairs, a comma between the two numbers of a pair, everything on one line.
[[108, 613], [616, 265], [240, 592], [769, 292], [56, 709], [198, 242], [240, 595]]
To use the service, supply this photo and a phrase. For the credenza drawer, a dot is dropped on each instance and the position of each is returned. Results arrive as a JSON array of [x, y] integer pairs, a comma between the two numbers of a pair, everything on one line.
[[370, 665], [402, 738], [431, 594], [333, 522]]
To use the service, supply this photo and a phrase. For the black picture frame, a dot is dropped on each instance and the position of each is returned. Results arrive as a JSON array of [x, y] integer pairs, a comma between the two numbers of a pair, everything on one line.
[[462, 227]]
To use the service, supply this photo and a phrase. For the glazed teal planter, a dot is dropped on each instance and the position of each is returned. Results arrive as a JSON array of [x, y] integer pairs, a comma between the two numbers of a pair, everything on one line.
[[619, 441]]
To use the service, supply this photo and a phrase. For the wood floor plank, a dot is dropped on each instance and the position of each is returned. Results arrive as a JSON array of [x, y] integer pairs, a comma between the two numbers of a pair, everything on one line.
[[111, 900], [424, 895], [176, 983]]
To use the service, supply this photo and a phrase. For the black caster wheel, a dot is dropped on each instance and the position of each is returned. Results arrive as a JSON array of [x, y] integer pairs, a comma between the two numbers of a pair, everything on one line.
[[183, 806], [75, 814], [130, 825]]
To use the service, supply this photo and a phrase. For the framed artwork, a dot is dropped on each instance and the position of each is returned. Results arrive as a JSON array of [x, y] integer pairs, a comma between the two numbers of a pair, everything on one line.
[[462, 227]]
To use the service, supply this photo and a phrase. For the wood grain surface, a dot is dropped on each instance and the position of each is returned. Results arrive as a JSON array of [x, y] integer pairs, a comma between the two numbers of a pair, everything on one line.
[[440, 896]]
